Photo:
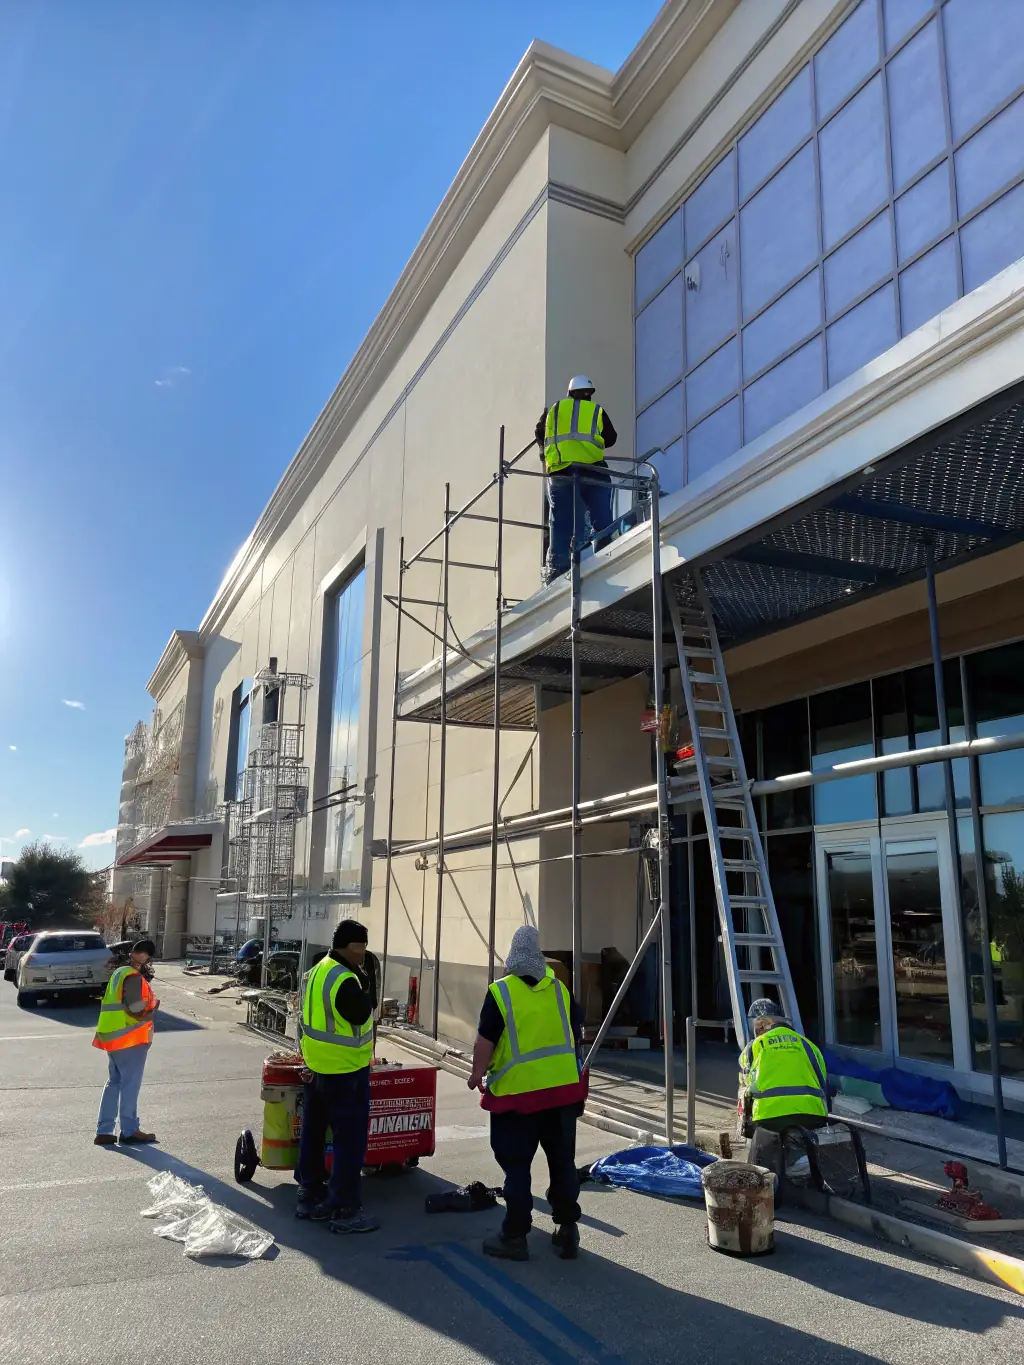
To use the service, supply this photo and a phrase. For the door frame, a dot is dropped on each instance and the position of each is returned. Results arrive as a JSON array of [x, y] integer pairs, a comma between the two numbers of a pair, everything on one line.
[[875, 835]]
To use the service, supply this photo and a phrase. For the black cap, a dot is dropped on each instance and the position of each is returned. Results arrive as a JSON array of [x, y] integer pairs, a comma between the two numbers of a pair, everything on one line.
[[349, 931], [145, 945]]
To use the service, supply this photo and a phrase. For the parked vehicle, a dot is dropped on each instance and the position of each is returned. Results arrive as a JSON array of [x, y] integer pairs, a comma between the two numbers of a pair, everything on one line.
[[16, 949], [62, 962], [121, 951]]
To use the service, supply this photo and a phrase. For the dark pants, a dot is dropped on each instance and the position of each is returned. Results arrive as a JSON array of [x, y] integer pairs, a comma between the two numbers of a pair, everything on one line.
[[341, 1103], [765, 1148], [514, 1142], [594, 503]]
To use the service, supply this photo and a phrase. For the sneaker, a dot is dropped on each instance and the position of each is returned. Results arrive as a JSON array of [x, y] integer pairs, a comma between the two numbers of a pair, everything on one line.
[[507, 1248], [354, 1220], [104, 1140], [566, 1241], [138, 1136], [307, 1202], [323, 1211]]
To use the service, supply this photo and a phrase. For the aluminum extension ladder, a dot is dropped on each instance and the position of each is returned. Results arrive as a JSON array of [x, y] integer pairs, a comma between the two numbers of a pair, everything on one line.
[[755, 955]]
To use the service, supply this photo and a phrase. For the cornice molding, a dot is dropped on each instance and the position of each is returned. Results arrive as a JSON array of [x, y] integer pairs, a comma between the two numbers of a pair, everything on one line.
[[183, 646]]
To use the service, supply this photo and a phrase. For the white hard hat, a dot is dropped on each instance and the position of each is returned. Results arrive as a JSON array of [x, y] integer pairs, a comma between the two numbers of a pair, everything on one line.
[[579, 382]]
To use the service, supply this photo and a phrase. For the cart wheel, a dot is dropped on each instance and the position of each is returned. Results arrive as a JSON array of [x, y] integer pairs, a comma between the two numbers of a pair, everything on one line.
[[246, 1159], [411, 1162]]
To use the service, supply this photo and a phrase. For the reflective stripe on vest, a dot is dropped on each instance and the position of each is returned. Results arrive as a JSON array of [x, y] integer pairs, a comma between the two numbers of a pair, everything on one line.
[[538, 1068], [764, 1097], [572, 434], [344, 1048], [116, 1026]]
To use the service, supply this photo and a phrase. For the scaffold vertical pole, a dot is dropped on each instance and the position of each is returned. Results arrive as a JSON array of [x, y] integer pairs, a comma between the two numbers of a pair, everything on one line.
[[577, 745], [391, 789], [496, 759], [664, 839], [443, 755]]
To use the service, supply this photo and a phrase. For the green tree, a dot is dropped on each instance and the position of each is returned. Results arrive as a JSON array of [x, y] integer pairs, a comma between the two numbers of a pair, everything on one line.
[[49, 888]]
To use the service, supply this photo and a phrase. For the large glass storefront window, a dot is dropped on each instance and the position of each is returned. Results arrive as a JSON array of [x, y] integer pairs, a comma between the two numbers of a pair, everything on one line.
[[1003, 835], [841, 732], [995, 680], [924, 715], [342, 852], [786, 749]]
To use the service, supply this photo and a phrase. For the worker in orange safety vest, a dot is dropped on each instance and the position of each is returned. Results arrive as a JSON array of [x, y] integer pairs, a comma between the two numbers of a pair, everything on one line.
[[124, 1033]]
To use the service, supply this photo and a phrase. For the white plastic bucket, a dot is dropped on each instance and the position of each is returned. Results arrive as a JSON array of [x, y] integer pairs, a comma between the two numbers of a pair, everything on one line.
[[740, 1201]]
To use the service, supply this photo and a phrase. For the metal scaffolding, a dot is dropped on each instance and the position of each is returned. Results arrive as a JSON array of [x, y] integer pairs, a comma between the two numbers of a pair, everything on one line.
[[641, 480]]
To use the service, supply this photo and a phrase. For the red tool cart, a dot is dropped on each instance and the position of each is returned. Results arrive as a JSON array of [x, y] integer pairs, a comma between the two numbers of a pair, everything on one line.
[[403, 1102]]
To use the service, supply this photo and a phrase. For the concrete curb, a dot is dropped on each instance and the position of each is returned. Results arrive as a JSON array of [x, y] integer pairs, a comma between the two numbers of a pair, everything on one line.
[[994, 1266]]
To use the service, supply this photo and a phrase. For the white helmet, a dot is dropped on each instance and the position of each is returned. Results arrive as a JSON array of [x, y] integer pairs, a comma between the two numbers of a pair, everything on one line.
[[579, 383]]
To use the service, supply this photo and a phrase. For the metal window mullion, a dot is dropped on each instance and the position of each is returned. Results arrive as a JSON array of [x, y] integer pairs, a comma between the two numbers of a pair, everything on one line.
[[951, 172], [663, 392], [766, 180], [704, 359], [889, 174], [786, 354], [929, 246], [988, 118], [820, 229], [739, 284], [912, 33], [993, 198], [648, 299]]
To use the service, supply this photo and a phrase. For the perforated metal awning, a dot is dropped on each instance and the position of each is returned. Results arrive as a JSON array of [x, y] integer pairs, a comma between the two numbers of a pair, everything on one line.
[[956, 493]]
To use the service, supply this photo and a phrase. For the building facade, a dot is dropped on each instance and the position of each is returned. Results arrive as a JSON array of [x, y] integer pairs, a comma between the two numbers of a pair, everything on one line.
[[785, 239]]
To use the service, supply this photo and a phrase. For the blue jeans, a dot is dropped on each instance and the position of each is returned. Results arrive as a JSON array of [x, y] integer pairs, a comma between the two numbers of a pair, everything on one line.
[[341, 1103], [594, 504], [124, 1081]]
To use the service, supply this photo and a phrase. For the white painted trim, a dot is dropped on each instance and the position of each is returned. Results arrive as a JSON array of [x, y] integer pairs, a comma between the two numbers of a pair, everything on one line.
[[344, 567]]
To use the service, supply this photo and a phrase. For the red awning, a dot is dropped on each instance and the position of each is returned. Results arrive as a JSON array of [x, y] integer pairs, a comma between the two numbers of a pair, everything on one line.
[[171, 844]]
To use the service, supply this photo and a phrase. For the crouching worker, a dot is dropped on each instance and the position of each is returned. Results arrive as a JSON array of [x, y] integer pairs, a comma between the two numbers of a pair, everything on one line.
[[784, 1077], [527, 1062]]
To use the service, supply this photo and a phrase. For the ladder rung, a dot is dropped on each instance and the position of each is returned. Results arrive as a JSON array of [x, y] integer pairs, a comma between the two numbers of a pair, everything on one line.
[[719, 761], [743, 901], [774, 978], [704, 679], [739, 864], [697, 652], [706, 732], [755, 940], [701, 705]]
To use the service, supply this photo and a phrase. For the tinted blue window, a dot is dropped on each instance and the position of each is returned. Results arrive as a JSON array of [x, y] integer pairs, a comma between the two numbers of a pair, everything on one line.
[[928, 286], [858, 264], [779, 131], [712, 382], [993, 240], [779, 232], [846, 58], [841, 732], [717, 437], [659, 258], [916, 118], [659, 343], [784, 389], [342, 855], [659, 426], [862, 334], [852, 156], [711, 281], [900, 17], [669, 465], [984, 57], [711, 203], [795, 316], [992, 158], [923, 213]]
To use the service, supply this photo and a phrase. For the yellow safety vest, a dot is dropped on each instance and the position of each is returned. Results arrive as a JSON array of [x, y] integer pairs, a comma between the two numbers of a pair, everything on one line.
[[330, 1045], [536, 1050], [785, 1074], [117, 1028], [573, 434]]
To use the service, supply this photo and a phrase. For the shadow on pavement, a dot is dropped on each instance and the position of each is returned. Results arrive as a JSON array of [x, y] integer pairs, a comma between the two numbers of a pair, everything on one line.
[[429, 1268], [76, 1013]]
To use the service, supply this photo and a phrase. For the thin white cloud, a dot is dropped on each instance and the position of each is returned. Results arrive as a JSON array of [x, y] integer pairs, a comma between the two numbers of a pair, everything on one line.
[[105, 836], [75, 705], [56, 838], [171, 376], [55, 815], [21, 833], [13, 748]]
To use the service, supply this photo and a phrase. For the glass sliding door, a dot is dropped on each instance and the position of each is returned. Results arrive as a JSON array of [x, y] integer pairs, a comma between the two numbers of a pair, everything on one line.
[[917, 949], [847, 875]]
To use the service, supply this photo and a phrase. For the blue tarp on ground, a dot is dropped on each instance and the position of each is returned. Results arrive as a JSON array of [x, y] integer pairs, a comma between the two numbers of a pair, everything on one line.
[[673, 1171], [902, 1089]]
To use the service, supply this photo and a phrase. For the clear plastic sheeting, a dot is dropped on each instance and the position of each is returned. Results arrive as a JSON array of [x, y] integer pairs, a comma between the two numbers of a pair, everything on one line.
[[190, 1216]]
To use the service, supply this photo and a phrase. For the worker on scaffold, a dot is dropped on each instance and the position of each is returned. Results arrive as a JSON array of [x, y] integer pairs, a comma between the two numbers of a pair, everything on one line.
[[573, 435]]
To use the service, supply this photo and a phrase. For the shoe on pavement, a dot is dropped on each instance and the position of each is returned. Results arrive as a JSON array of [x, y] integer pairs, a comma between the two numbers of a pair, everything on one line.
[[104, 1140], [354, 1220], [307, 1202], [507, 1248], [324, 1211], [566, 1241], [138, 1136]]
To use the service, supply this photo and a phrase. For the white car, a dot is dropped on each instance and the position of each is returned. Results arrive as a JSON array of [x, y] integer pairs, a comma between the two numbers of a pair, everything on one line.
[[64, 961], [17, 947]]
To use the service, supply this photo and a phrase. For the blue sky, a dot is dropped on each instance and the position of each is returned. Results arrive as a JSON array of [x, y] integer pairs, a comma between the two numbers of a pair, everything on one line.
[[204, 207]]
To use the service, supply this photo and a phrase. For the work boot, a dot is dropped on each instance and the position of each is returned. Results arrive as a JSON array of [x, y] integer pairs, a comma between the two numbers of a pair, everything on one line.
[[354, 1220], [104, 1140], [307, 1202], [566, 1241], [507, 1248], [324, 1211], [137, 1136]]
